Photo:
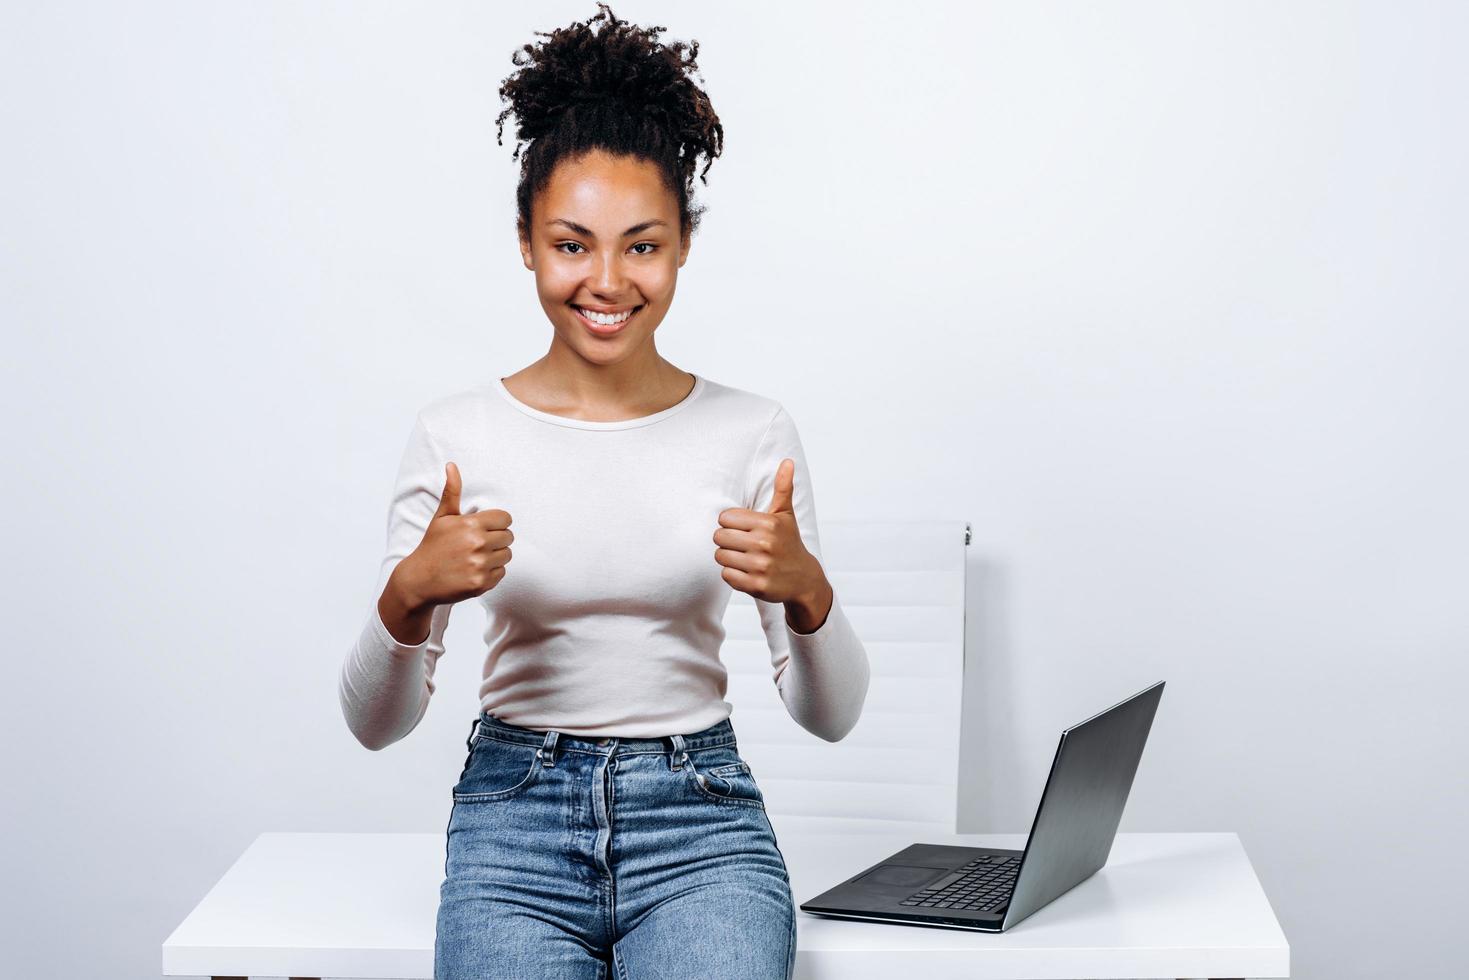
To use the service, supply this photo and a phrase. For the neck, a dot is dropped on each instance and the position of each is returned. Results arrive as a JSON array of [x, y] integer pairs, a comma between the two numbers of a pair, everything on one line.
[[638, 384]]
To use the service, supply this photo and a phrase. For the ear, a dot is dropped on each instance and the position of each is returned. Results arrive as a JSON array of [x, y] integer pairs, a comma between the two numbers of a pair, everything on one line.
[[683, 250], [525, 250]]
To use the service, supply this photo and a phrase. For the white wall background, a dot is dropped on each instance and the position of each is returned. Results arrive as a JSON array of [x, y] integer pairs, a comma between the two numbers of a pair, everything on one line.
[[1167, 299]]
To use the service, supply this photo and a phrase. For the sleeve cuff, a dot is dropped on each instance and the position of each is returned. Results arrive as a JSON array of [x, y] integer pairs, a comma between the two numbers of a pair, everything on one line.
[[824, 634], [389, 642]]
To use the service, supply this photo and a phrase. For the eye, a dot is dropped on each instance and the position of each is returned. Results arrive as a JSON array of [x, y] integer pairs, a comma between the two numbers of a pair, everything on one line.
[[570, 244], [651, 248]]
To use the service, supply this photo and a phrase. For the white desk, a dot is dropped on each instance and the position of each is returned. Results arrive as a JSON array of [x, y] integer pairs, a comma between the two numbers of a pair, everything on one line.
[[365, 906]]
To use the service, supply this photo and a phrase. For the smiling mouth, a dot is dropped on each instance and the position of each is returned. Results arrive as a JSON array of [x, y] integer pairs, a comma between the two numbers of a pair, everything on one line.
[[601, 325]]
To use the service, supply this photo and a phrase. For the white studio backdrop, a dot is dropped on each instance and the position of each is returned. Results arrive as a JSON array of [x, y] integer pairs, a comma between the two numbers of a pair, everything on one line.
[[1166, 299]]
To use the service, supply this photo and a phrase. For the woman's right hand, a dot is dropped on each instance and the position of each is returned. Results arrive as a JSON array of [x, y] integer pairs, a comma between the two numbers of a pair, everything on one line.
[[461, 555]]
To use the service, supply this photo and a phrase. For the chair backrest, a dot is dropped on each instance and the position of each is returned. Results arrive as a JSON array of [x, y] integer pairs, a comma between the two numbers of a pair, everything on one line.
[[902, 587]]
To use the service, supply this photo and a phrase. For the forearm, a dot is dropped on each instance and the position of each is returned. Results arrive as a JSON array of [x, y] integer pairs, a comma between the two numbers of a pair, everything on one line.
[[824, 680], [386, 681], [807, 613], [407, 617]]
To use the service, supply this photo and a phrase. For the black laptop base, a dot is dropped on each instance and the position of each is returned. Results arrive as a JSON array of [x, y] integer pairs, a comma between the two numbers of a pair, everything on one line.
[[944, 876]]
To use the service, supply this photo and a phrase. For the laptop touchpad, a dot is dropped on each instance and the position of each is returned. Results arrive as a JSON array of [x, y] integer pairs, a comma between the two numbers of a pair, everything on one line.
[[901, 876]]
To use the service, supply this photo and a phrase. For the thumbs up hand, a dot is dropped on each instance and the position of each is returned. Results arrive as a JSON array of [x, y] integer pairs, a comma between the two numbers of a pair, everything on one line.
[[461, 555], [762, 552]]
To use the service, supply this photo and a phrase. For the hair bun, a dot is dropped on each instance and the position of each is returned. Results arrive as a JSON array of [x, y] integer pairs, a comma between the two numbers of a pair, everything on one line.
[[618, 65], [606, 83]]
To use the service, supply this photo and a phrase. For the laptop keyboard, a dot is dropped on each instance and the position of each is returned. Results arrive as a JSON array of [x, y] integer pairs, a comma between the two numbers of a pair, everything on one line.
[[981, 885]]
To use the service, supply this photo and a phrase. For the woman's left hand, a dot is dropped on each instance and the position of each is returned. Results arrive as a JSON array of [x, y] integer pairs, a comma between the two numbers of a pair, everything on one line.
[[762, 552]]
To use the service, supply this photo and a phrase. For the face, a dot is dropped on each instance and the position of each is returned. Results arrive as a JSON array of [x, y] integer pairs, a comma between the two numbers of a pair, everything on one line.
[[605, 238]]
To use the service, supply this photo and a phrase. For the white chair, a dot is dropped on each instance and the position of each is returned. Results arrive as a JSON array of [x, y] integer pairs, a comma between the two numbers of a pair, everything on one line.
[[902, 587]]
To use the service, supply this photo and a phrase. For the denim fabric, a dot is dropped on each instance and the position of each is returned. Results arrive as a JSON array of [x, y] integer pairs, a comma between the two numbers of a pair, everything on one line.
[[625, 859]]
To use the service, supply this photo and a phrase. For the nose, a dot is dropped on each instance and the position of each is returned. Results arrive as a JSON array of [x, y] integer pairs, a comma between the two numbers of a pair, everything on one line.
[[607, 277]]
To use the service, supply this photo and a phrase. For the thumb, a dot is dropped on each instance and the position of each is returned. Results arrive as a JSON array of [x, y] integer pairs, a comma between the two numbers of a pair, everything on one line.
[[785, 482], [449, 499]]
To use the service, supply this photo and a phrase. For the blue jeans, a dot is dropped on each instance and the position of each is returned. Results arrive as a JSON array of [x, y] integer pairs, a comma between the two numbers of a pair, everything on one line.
[[629, 859]]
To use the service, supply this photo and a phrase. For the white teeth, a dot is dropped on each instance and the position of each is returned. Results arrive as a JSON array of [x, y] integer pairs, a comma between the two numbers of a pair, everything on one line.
[[605, 319]]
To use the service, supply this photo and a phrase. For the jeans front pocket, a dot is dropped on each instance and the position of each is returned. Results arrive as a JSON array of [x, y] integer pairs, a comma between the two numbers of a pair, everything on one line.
[[724, 781], [497, 770]]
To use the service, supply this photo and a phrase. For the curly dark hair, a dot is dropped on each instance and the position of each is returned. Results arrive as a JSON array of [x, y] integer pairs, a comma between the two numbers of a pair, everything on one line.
[[618, 90]]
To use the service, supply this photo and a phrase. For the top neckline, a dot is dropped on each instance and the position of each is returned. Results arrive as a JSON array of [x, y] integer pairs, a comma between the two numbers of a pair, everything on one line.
[[571, 423]]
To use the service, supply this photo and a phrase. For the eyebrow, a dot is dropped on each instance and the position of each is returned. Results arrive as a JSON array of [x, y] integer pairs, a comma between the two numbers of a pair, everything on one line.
[[581, 230]]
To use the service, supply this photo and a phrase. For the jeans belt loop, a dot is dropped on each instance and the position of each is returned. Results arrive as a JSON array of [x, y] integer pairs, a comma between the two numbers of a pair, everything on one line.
[[678, 756], [547, 752]]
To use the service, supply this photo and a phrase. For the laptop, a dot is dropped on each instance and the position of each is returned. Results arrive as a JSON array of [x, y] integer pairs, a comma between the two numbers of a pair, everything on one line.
[[990, 889]]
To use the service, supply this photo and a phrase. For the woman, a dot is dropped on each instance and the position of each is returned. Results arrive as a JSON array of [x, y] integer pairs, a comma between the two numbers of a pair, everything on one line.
[[604, 819]]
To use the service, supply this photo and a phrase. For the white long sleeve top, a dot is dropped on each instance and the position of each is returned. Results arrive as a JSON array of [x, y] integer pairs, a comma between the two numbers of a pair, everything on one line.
[[609, 620]]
